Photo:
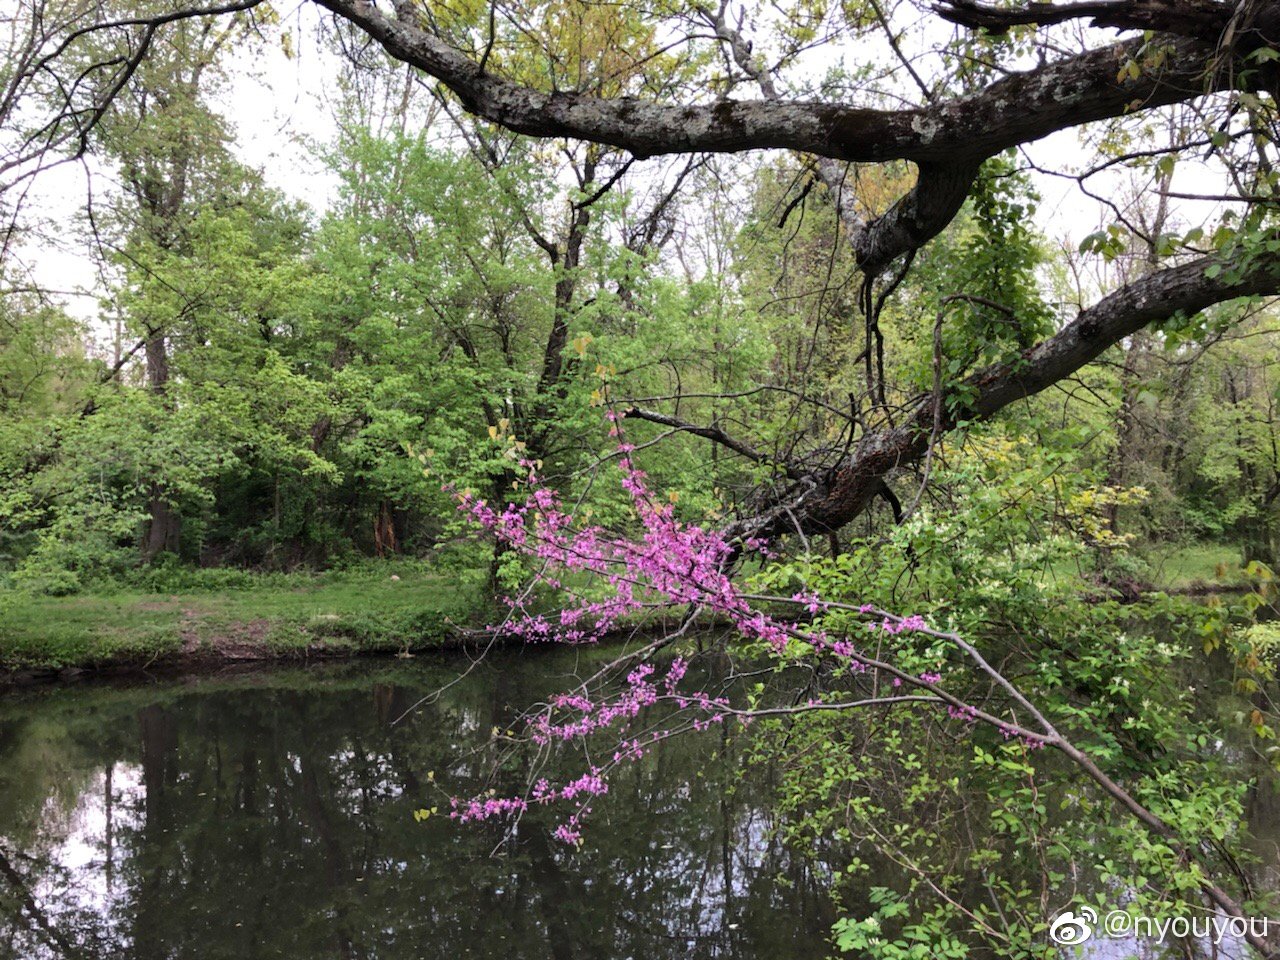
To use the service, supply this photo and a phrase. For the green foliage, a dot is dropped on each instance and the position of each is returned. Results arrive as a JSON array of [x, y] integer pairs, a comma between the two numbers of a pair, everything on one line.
[[991, 263], [1005, 563], [921, 939]]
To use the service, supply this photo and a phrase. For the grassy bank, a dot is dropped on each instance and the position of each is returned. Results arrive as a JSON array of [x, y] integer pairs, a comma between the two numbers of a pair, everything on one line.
[[176, 616], [374, 610], [1195, 566]]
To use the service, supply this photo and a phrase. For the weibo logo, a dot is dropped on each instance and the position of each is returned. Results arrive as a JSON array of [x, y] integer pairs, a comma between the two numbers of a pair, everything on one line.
[[1068, 927]]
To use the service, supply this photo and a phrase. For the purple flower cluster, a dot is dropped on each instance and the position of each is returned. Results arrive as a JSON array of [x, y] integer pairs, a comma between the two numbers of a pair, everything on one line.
[[670, 563]]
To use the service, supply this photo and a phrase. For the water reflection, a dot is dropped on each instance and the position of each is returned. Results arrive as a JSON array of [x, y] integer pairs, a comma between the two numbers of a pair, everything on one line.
[[271, 816]]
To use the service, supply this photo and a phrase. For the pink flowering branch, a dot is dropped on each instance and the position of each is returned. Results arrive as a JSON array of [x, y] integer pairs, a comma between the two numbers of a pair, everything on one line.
[[674, 564], [670, 564]]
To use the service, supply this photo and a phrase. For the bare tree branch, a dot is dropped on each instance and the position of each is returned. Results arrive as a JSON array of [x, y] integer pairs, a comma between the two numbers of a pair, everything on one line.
[[846, 491], [715, 434]]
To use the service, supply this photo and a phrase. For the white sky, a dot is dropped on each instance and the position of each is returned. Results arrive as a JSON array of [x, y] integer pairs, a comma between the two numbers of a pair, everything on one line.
[[273, 102]]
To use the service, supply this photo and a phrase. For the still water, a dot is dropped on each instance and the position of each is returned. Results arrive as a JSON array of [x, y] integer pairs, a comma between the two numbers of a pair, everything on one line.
[[271, 815]]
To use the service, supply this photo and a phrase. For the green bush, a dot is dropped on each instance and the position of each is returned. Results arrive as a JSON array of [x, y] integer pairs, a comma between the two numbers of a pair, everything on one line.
[[1002, 562]]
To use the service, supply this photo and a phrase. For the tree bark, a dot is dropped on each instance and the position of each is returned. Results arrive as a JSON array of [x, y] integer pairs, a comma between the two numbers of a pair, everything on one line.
[[164, 526], [1197, 18], [1016, 109]]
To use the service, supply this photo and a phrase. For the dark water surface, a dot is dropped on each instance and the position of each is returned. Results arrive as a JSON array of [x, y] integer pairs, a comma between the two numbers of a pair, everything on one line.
[[271, 815]]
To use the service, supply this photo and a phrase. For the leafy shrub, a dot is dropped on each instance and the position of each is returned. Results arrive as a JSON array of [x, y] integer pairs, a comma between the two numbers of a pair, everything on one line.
[[1003, 565]]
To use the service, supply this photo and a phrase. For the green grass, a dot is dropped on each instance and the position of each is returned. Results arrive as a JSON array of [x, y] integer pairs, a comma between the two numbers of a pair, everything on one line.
[[177, 612], [332, 613], [1204, 564], [1169, 567]]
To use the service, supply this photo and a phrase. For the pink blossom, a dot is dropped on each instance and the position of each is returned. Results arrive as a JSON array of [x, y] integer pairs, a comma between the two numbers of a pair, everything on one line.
[[670, 563]]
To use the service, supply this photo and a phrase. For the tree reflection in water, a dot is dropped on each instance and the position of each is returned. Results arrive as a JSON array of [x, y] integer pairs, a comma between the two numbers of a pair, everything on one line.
[[271, 815]]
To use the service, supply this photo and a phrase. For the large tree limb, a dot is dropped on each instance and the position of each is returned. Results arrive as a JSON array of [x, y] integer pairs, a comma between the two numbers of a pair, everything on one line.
[[1014, 110], [1205, 19], [919, 216], [947, 140], [845, 492], [1201, 19]]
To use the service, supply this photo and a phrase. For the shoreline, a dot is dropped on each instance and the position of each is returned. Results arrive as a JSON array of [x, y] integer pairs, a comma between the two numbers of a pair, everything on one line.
[[256, 644], [208, 625], [212, 659]]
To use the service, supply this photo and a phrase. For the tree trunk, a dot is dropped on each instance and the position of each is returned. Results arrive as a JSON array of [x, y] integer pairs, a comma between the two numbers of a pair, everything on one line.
[[164, 528]]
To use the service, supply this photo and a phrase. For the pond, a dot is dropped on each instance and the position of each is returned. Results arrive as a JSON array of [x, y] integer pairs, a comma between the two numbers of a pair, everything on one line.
[[272, 815], [278, 813]]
